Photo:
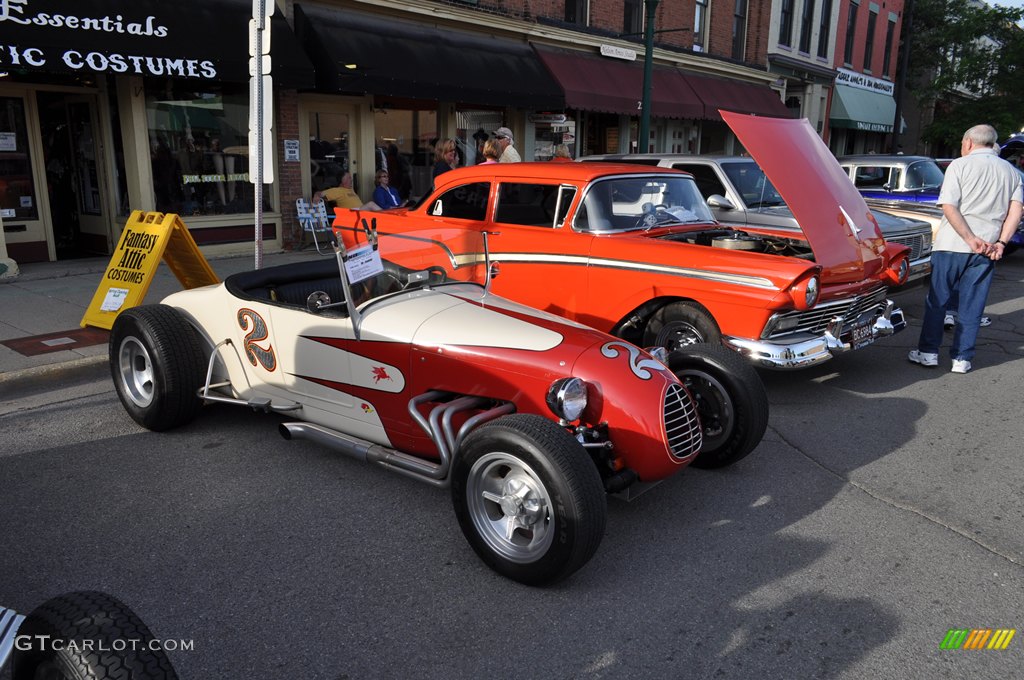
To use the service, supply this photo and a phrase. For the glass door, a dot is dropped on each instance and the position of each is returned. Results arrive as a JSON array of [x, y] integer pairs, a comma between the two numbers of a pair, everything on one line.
[[72, 158], [329, 149]]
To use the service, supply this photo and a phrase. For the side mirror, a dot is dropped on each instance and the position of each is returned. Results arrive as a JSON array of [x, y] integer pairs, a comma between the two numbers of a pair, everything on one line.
[[720, 202], [318, 301]]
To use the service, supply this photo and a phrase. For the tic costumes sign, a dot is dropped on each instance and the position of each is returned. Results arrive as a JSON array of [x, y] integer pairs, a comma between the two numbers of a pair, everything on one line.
[[142, 37]]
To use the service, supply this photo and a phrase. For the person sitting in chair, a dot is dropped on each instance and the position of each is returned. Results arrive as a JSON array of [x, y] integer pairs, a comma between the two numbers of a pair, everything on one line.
[[343, 196]]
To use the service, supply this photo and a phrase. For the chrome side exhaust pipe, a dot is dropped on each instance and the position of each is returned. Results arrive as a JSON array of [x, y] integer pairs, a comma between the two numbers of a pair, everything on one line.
[[368, 452], [438, 426]]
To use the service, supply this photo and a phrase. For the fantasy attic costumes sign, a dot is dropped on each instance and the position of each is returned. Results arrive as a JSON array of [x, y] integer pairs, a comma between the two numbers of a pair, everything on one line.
[[147, 237]]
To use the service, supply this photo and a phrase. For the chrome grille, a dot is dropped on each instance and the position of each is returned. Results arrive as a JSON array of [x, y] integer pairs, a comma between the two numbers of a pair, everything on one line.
[[816, 320], [682, 426], [920, 244]]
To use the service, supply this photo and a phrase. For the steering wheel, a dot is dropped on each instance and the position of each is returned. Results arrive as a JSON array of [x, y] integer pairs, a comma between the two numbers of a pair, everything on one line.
[[649, 217]]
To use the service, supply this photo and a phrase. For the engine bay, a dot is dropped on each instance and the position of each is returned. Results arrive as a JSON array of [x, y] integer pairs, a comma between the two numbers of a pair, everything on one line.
[[735, 239]]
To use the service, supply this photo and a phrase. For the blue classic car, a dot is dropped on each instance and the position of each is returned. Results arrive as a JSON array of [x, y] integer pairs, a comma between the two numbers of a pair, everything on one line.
[[895, 177]]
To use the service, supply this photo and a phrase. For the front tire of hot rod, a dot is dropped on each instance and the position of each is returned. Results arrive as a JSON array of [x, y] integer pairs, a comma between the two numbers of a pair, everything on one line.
[[528, 499], [731, 401], [157, 366]]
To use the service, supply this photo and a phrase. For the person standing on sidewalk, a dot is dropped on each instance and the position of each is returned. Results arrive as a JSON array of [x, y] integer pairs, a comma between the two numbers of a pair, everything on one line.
[[982, 201], [508, 150]]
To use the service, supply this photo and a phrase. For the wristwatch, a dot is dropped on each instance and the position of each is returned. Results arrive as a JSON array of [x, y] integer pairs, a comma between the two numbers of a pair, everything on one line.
[[1001, 242]]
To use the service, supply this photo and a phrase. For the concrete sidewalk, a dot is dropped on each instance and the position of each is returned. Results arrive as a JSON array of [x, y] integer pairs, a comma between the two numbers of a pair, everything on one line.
[[52, 297]]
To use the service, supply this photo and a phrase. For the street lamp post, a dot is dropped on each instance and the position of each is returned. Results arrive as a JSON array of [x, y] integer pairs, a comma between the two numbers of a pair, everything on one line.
[[645, 103]]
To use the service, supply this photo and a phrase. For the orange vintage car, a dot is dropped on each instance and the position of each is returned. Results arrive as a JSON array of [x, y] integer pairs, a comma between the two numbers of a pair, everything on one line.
[[634, 251]]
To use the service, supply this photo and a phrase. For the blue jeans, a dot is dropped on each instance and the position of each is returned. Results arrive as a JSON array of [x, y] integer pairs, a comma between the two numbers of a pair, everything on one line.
[[968, 274]]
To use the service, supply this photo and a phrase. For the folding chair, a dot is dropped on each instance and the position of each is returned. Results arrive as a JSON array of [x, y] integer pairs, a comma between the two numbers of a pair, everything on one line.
[[313, 218]]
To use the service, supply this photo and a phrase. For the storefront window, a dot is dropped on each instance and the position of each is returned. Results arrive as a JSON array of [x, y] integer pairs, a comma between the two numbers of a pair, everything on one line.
[[199, 148], [17, 191], [475, 128], [407, 138], [550, 130]]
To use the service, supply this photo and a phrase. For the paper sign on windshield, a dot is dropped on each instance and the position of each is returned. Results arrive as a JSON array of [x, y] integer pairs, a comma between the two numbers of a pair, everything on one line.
[[363, 263]]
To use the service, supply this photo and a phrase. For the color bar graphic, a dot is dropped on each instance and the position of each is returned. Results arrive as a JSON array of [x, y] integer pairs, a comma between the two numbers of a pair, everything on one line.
[[978, 638]]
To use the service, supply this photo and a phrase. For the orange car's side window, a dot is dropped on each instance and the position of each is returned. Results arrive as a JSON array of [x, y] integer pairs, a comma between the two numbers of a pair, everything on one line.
[[532, 205], [464, 202]]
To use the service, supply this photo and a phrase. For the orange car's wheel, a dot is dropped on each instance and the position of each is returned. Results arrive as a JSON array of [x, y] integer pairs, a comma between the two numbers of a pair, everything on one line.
[[680, 324]]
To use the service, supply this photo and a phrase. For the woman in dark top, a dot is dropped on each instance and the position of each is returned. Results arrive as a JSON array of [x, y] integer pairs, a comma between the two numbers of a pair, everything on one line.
[[444, 157]]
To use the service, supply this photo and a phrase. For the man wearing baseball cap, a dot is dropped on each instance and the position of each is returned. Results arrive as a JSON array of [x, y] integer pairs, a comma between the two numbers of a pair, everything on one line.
[[508, 152]]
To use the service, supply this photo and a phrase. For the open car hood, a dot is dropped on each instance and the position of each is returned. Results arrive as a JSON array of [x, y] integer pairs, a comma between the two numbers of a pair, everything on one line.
[[840, 228]]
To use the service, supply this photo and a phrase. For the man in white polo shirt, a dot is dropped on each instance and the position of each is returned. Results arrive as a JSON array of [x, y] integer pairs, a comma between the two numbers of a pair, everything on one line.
[[981, 201]]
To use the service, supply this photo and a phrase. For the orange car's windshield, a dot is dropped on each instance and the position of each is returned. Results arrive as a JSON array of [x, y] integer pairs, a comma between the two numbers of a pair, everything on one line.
[[627, 202]]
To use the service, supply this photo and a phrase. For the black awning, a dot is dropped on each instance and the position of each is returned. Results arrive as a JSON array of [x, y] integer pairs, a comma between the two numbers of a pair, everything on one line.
[[362, 53], [206, 41]]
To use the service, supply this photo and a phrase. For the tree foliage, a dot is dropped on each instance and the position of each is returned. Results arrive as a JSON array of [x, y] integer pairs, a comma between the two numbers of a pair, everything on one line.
[[969, 58]]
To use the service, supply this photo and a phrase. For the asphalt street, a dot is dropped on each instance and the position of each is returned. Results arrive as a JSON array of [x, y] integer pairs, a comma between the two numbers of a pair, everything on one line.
[[882, 509]]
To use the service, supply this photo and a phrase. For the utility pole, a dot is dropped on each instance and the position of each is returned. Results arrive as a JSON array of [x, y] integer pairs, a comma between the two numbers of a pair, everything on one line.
[[645, 105], [901, 76]]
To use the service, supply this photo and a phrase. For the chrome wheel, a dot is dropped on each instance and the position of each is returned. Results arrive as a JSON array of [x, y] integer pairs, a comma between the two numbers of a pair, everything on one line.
[[136, 371], [510, 507]]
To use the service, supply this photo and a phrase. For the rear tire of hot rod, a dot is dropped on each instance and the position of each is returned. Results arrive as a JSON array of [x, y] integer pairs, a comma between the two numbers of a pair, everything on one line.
[[528, 499], [88, 636], [157, 366], [731, 401]]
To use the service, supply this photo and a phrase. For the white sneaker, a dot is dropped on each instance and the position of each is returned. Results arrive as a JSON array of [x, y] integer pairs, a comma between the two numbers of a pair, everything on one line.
[[948, 322], [986, 321], [961, 365], [924, 358]]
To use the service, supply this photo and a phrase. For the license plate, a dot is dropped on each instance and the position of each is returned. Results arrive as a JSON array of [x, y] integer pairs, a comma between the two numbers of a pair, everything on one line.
[[862, 335]]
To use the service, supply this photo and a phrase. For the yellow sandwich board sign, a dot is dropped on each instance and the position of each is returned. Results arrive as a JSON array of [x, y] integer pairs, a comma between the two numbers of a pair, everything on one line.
[[147, 237]]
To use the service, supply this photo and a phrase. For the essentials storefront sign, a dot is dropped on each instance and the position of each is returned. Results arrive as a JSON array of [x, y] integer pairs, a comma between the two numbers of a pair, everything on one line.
[[204, 41]]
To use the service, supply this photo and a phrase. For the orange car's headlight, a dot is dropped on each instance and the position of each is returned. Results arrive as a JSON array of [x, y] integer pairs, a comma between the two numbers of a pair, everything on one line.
[[805, 292]]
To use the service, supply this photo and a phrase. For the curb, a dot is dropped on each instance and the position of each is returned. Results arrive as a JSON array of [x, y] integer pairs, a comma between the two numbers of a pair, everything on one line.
[[41, 378]]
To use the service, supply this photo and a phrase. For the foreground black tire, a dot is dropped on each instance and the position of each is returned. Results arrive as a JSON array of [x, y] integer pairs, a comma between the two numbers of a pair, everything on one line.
[[529, 499], [731, 401], [157, 366], [91, 636], [681, 324]]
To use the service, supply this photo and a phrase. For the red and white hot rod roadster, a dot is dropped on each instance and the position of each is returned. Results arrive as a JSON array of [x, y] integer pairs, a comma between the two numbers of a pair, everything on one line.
[[528, 418]]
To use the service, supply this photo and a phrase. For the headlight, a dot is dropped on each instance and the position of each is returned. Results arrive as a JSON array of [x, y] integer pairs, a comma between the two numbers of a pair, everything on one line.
[[567, 398], [904, 270], [805, 293], [898, 272]]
